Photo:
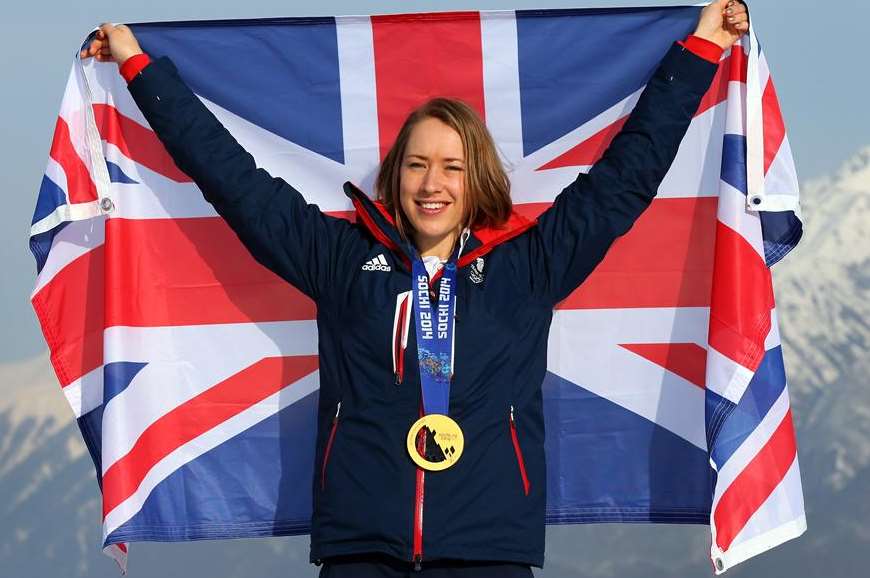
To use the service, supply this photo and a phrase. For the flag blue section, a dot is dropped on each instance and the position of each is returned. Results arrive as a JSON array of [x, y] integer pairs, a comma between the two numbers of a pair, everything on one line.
[[91, 426], [553, 48], [263, 496], [40, 245], [50, 197], [116, 175], [734, 161], [608, 464], [781, 232], [766, 386], [716, 411], [262, 57], [117, 376]]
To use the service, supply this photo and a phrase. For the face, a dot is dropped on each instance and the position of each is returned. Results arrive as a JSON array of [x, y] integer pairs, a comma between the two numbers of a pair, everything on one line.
[[432, 186]]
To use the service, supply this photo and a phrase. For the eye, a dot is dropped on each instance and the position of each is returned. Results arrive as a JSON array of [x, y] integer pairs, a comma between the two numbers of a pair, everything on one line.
[[455, 168], [415, 165]]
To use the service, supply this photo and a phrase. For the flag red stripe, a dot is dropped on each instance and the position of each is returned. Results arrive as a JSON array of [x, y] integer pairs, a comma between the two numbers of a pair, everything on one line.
[[590, 150], [688, 360], [415, 61], [731, 69], [70, 312], [741, 301], [666, 260], [136, 142], [197, 416], [80, 187], [774, 126], [190, 272], [754, 484]]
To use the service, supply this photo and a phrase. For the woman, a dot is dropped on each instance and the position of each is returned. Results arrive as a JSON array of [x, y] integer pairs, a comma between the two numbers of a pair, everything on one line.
[[432, 459]]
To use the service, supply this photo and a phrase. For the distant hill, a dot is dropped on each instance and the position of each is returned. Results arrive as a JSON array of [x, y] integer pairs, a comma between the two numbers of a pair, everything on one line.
[[50, 501]]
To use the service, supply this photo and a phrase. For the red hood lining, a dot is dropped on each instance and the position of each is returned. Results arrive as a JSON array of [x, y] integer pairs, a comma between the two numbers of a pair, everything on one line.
[[489, 237]]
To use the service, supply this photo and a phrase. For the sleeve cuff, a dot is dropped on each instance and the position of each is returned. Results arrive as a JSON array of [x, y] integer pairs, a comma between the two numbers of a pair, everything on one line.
[[133, 66], [709, 51]]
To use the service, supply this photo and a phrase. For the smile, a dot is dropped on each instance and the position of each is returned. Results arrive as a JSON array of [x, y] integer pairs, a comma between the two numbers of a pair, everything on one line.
[[431, 207]]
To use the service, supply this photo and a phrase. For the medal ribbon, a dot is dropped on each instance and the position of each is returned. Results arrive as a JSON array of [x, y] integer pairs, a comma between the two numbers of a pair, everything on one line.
[[434, 324]]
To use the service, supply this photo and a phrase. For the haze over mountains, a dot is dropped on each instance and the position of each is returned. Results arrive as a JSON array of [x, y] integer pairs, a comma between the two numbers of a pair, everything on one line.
[[51, 506]]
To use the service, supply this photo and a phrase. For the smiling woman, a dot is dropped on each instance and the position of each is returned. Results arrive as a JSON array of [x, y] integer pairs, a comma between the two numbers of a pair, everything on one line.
[[443, 174], [453, 433]]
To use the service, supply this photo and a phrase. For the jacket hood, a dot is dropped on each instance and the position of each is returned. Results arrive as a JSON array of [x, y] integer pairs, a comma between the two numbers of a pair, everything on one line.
[[382, 226]]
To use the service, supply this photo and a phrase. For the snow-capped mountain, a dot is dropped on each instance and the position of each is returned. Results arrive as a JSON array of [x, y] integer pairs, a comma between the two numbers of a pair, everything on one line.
[[51, 506]]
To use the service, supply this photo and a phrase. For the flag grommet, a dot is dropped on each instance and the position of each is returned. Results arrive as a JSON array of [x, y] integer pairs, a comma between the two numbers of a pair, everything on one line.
[[107, 205]]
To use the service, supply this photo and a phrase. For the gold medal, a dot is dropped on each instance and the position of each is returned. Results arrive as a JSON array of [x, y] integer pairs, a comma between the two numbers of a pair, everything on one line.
[[435, 442]]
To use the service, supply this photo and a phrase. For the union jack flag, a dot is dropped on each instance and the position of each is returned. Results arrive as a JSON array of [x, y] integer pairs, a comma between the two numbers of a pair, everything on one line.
[[193, 371]]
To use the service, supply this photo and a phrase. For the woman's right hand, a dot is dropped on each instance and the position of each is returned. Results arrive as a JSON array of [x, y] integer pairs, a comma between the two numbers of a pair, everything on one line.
[[112, 44]]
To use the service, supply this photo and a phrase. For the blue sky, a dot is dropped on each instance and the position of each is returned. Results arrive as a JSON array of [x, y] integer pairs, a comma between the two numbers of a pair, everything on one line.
[[813, 49]]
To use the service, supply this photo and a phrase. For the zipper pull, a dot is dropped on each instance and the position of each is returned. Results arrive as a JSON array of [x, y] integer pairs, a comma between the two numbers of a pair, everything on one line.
[[418, 563], [337, 410], [512, 414]]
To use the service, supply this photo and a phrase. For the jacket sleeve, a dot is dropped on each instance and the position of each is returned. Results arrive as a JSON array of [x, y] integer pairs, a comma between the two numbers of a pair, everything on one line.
[[588, 215], [282, 232]]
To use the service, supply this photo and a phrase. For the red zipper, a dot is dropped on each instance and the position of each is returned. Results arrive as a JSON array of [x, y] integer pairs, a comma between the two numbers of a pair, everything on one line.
[[329, 447], [520, 461], [398, 348], [417, 556]]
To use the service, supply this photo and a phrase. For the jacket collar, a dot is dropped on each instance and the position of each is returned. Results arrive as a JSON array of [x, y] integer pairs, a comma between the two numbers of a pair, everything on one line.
[[375, 217]]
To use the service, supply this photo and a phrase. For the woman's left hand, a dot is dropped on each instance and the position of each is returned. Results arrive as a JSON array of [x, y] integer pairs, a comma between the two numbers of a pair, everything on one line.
[[723, 22]]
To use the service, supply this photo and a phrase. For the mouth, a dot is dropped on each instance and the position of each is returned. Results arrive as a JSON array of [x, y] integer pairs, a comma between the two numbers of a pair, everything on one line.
[[431, 207]]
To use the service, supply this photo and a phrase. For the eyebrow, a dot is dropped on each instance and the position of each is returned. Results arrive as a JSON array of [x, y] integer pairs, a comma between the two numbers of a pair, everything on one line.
[[427, 158]]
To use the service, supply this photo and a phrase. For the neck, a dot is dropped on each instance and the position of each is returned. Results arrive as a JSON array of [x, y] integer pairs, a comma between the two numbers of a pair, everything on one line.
[[441, 248]]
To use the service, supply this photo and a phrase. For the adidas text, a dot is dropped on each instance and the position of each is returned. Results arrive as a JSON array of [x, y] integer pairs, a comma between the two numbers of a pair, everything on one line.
[[379, 263]]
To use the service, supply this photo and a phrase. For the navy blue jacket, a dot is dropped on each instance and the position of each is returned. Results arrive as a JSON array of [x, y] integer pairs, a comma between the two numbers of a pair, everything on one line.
[[368, 494]]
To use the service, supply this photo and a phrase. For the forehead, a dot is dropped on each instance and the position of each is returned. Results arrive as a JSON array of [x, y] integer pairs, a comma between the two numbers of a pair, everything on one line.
[[432, 138]]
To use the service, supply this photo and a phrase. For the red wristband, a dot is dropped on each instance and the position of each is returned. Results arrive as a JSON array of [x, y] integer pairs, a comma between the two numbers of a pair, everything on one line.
[[706, 49], [133, 66]]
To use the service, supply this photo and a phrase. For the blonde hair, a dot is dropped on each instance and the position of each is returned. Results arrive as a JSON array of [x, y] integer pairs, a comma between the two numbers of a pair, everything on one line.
[[487, 188]]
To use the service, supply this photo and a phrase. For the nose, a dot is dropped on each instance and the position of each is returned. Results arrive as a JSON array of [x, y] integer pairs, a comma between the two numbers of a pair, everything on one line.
[[432, 181]]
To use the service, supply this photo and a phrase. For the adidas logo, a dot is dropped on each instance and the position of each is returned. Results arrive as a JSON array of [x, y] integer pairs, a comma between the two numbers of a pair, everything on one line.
[[376, 264]]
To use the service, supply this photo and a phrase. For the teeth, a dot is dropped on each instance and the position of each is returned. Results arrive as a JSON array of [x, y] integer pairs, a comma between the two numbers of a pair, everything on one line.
[[432, 205]]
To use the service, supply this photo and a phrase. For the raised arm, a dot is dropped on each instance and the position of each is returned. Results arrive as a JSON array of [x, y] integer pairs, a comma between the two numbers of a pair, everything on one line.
[[600, 206], [283, 232]]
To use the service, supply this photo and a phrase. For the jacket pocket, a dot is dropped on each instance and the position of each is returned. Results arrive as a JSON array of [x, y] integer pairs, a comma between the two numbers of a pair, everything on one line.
[[519, 452], [328, 449]]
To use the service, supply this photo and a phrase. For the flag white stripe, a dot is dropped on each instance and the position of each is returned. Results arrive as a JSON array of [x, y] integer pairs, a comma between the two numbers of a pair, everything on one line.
[[70, 243], [211, 439], [785, 503], [501, 84], [726, 377], [742, 456], [86, 393], [55, 172], [733, 214], [625, 378], [359, 112], [181, 366]]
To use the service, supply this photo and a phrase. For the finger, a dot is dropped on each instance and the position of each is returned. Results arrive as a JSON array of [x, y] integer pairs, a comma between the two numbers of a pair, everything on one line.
[[736, 10]]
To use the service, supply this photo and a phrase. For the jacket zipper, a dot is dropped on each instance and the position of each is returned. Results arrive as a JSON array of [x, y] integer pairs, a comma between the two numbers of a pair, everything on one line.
[[519, 452], [329, 447], [417, 556]]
